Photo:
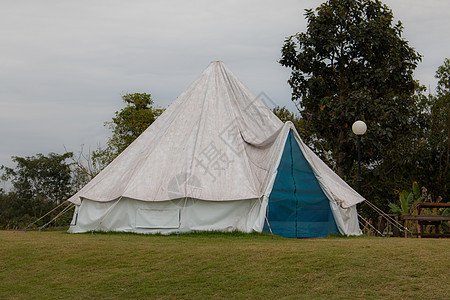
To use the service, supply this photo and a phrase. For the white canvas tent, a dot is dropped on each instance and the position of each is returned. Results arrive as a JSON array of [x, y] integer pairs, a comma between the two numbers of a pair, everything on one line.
[[217, 159]]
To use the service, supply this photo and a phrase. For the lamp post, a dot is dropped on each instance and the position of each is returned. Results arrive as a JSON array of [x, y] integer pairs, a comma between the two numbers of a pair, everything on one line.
[[359, 128]]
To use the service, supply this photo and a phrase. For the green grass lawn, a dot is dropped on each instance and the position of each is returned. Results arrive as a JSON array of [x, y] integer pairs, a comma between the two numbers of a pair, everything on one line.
[[107, 266]]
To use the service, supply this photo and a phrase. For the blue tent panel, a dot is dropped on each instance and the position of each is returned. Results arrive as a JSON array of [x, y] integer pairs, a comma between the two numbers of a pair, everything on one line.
[[297, 205]]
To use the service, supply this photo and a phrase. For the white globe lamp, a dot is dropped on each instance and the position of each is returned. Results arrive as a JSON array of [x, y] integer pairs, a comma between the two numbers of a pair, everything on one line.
[[359, 128]]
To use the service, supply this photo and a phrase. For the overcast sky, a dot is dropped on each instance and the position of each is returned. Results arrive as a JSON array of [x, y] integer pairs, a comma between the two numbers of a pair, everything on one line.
[[64, 65]]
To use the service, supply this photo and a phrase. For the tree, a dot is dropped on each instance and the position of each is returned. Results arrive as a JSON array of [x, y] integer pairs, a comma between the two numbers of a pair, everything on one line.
[[440, 127], [41, 176], [350, 64], [39, 183], [126, 126], [429, 163]]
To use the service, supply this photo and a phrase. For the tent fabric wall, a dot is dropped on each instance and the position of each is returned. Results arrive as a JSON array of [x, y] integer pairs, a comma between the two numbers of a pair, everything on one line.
[[182, 215], [215, 160]]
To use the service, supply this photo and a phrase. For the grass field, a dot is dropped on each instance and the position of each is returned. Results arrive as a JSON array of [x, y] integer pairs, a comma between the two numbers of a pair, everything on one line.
[[55, 265]]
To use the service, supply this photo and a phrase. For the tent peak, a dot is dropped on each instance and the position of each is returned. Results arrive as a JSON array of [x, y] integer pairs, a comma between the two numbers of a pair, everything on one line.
[[215, 64]]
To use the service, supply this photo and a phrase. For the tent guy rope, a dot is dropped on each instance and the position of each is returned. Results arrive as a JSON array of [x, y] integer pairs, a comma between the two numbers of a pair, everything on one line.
[[29, 225], [67, 208]]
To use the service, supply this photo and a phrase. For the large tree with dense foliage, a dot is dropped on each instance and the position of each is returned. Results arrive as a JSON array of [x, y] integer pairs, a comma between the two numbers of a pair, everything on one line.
[[350, 64]]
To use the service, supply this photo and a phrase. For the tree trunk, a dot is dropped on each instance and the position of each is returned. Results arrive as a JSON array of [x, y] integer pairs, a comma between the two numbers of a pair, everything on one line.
[[341, 155]]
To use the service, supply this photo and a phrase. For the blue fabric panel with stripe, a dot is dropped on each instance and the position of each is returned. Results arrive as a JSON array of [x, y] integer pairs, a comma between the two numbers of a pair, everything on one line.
[[297, 205]]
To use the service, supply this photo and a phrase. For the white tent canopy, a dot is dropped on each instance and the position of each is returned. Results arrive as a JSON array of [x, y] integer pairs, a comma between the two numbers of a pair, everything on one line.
[[209, 162]]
